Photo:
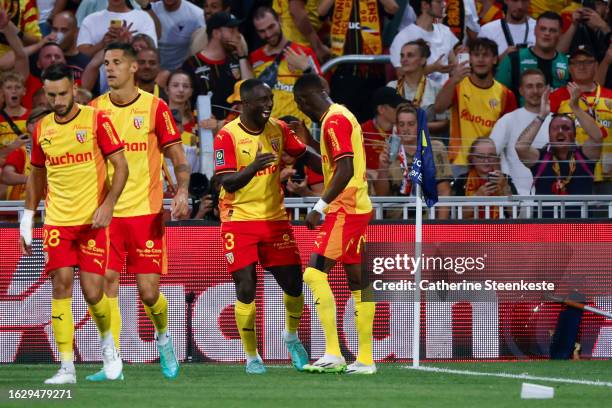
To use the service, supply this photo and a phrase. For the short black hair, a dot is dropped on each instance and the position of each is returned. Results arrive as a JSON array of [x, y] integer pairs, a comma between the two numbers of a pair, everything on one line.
[[550, 15], [247, 87], [127, 49], [483, 43], [309, 82], [416, 6], [56, 72], [261, 11]]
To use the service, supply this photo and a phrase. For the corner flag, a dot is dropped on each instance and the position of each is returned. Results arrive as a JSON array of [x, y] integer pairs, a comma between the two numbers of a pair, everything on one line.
[[423, 170]]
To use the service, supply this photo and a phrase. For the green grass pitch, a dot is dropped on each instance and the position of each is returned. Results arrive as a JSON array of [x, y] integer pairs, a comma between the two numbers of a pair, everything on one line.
[[212, 385]]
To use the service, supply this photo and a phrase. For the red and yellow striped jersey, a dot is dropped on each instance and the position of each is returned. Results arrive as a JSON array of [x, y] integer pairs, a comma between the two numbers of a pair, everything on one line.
[[24, 14], [474, 112], [147, 128], [341, 136], [235, 148], [73, 154]]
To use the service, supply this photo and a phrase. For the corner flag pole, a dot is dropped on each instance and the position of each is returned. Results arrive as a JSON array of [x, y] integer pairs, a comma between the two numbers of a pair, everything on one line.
[[418, 239]]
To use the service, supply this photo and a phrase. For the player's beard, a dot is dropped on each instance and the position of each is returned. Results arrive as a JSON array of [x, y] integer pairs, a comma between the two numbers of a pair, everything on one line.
[[65, 111], [275, 39]]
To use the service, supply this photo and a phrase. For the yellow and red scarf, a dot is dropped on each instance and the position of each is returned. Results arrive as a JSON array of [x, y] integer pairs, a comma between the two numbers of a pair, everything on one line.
[[369, 20]]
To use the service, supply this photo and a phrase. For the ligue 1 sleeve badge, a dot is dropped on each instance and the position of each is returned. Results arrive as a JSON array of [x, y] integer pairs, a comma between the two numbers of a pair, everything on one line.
[[138, 122], [81, 136]]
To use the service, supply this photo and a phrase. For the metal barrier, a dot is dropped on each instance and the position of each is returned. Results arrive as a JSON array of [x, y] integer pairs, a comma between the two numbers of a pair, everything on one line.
[[514, 207], [355, 59]]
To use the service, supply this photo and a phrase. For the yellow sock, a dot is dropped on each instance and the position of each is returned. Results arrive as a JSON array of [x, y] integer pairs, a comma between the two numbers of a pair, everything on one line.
[[115, 320], [101, 314], [63, 327], [294, 306], [158, 313], [245, 321], [326, 308], [364, 320]]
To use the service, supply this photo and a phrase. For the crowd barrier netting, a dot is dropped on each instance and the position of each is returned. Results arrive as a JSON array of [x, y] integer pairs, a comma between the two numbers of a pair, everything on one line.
[[201, 296]]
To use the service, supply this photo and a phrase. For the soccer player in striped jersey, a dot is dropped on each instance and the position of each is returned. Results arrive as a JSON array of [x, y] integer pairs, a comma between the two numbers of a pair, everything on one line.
[[254, 223], [70, 151], [137, 229], [348, 210]]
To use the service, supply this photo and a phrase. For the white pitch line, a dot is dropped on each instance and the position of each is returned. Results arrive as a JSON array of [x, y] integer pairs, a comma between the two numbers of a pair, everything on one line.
[[515, 376]]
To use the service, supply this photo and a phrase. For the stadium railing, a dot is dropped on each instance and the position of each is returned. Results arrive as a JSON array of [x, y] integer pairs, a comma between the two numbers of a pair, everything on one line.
[[513, 207]]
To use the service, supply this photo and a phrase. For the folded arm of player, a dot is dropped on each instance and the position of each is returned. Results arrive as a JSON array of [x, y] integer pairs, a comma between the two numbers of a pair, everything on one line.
[[35, 187], [236, 180], [313, 160], [104, 214], [182, 171], [342, 175]]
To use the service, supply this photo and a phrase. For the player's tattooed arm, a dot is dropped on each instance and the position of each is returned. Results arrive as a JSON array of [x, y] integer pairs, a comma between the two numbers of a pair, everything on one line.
[[235, 181], [182, 171], [524, 149], [104, 214]]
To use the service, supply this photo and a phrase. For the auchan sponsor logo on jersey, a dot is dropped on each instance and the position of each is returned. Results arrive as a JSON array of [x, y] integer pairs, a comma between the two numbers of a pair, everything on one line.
[[136, 146], [479, 120], [69, 158]]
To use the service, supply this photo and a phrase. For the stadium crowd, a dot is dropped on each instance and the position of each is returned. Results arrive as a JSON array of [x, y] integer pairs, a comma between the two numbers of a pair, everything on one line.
[[503, 83]]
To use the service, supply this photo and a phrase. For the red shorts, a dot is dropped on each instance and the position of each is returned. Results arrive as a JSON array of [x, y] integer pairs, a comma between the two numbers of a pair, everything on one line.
[[76, 246], [342, 237], [141, 240], [270, 242]]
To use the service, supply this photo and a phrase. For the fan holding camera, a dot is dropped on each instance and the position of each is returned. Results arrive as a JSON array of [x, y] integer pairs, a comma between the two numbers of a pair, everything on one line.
[[584, 22], [484, 177], [204, 196]]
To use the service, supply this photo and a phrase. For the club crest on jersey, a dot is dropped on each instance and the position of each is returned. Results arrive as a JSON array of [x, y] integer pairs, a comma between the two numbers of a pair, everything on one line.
[[81, 136], [230, 257], [138, 122], [561, 73], [275, 144], [493, 103]]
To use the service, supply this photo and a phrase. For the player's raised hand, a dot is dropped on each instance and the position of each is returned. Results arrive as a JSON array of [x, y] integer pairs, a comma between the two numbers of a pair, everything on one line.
[[313, 219], [263, 160], [545, 102], [180, 207], [103, 215], [575, 93], [4, 18], [25, 232]]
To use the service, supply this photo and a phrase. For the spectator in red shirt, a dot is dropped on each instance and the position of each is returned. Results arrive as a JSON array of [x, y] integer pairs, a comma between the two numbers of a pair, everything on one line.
[[377, 130]]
